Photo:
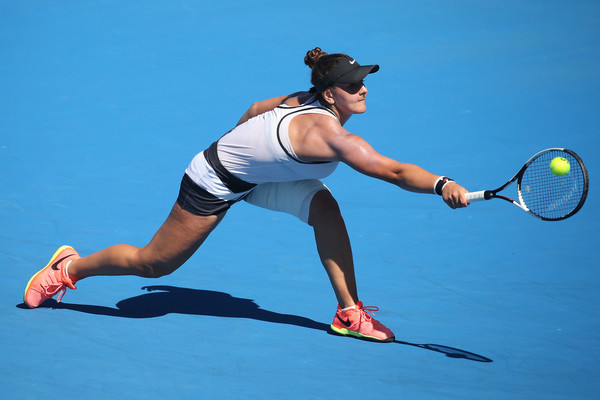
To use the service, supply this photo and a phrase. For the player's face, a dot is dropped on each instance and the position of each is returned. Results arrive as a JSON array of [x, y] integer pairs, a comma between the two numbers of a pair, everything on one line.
[[350, 98]]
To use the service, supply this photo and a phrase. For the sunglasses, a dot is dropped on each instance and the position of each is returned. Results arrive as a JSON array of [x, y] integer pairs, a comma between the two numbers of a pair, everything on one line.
[[351, 88]]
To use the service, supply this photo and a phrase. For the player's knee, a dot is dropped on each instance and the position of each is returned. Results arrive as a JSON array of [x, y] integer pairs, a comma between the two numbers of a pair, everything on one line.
[[151, 270], [323, 209], [154, 268]]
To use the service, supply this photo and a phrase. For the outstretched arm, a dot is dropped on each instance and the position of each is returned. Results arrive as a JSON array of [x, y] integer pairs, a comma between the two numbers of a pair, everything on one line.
[[360, 155]]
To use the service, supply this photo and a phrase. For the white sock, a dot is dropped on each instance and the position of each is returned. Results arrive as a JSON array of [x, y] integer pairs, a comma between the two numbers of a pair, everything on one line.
[[67, 268], [349, 308]]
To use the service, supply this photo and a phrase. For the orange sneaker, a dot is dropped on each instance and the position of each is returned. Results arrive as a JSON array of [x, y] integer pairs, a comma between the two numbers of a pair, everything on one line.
[[51, 279], [358, 323]]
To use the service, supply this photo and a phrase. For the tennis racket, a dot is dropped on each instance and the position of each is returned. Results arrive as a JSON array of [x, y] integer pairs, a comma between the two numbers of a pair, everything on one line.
[[542, 193]]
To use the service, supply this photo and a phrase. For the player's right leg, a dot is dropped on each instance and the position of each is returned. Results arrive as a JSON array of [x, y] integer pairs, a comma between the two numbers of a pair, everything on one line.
[[312, 202], [351, 318]]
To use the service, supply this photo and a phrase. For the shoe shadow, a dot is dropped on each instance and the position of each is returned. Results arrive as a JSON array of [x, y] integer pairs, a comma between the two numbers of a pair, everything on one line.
[[163, 300], [449, 351]]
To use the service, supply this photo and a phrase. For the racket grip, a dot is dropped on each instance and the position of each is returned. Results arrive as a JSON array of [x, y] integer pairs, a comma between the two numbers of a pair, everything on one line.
[[475, 196]]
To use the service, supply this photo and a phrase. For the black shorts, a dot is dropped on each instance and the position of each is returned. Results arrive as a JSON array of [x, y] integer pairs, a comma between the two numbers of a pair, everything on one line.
[[198, 201]]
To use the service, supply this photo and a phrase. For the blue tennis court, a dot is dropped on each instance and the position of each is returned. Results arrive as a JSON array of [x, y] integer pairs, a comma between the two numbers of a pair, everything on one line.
[[104, 103]]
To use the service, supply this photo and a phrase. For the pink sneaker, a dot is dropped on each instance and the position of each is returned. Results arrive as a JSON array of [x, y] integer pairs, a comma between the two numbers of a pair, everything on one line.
[[51, 279], [358, 323]]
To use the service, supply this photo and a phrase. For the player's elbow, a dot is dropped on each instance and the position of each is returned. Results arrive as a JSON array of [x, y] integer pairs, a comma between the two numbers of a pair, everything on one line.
[[396, 174], [249, 114], [253, 111]]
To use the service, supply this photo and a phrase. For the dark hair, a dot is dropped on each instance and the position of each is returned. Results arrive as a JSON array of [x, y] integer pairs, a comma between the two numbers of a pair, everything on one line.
[[321, 63]]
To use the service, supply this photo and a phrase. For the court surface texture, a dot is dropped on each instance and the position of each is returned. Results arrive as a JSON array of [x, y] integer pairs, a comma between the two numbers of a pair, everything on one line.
[[104, 103]]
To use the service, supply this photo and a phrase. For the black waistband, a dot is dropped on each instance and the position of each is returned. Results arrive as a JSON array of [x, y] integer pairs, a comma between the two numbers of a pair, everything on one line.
[[233, 183]]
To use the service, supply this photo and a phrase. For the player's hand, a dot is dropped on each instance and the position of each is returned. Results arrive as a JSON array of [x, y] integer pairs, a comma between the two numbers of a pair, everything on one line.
[[454, 195]]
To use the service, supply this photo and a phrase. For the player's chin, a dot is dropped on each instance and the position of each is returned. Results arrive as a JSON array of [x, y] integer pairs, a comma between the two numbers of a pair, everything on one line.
[[360, 108]]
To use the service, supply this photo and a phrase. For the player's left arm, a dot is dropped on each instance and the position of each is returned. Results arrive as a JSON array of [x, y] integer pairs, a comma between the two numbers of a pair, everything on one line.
[[261, 107]]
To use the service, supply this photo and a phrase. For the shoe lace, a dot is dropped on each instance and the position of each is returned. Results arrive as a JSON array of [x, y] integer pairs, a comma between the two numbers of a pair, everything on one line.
[[67, 283], [61, 293], [366, 310], [51, 288]]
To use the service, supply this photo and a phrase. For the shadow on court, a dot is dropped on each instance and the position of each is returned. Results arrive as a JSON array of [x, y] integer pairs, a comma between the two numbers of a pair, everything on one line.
[[449, 351], [162, 300]]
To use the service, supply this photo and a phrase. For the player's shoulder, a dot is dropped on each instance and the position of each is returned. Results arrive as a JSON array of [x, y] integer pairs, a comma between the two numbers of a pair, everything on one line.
[[297, 99]]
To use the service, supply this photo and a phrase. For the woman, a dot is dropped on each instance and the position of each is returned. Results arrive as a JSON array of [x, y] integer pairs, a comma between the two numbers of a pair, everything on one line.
[[274, 158]]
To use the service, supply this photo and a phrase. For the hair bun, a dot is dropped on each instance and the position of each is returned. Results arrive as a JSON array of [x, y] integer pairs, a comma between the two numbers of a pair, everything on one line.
[[312, 56]]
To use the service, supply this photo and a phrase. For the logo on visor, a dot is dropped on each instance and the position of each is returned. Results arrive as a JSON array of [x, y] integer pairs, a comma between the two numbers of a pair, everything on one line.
[[352, 62]]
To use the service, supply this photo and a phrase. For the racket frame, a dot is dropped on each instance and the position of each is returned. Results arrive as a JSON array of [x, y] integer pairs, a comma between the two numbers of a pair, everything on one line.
[[493, 194]]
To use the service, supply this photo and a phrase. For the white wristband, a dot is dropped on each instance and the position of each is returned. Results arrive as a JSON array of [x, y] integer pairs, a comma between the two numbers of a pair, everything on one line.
[[440, 184]]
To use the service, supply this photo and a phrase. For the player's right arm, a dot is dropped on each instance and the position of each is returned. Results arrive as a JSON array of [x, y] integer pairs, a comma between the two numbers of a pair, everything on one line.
[[357, 153]]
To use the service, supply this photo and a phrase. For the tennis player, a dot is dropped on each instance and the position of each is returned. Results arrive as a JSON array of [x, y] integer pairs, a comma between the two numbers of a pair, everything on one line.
[[274, 158]]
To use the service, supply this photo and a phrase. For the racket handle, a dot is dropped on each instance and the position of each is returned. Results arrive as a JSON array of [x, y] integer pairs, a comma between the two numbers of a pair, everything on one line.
[[476, 196]]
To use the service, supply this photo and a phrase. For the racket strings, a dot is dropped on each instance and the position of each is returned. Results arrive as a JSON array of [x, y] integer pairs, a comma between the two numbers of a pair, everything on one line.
[[548, 195]]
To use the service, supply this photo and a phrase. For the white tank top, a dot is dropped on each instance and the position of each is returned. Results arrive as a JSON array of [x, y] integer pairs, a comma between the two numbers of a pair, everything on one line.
[[259, 150]]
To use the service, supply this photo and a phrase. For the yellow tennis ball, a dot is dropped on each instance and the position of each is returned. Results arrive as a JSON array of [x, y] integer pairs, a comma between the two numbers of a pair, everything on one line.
[[560, 166]]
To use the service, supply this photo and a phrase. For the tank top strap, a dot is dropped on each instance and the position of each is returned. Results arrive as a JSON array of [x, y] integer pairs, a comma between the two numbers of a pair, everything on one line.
[[312, 106]]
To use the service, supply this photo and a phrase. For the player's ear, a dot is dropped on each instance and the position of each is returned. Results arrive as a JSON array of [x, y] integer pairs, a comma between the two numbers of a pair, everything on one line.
[[328, 96]]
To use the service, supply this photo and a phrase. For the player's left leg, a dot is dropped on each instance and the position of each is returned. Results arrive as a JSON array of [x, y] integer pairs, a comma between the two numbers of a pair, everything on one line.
[[176, 240]]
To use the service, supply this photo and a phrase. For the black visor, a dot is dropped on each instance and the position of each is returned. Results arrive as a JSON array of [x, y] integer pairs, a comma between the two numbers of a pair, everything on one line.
[[347, 71]]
